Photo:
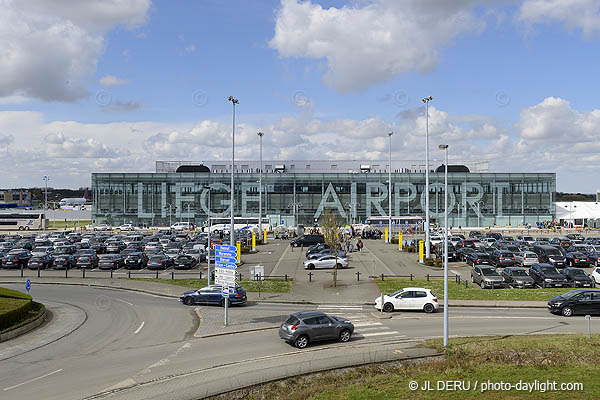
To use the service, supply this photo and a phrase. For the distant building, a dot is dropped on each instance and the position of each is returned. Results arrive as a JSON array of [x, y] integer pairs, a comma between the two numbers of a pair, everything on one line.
[[15, 198]]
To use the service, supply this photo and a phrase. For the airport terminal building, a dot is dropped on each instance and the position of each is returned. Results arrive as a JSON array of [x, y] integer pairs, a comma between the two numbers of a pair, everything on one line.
[[298, 192]]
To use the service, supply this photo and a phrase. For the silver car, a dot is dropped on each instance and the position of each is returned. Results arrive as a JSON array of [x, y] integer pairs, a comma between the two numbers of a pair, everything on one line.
[[304, 327], [526, 258], [327, 261], [487, 277]]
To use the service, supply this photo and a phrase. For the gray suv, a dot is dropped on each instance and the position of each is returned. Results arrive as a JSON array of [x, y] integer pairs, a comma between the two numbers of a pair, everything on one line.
[[487, 277], [310, 326]]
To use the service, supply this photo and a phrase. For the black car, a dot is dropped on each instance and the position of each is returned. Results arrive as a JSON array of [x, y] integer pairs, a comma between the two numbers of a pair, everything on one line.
[[160, 261], [518, 277], [213, 295], [575, 236], [502, 258], [577, 301], [438, 250], [185, 262], [115, 247], [136, 260], [478, 259], [467, 243], [16, 258], [310, 326], [316, 248], [463, 252], [475, 234], [111, 261], [546, 275], [87, 260], [577, 277], [578, 259], [307, 240], [562, 242], [40, 261], [549, 255], [64, 261], [69, 249], [98, 246]]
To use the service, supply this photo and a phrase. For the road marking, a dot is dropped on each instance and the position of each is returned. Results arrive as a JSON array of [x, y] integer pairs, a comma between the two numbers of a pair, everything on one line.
[[276, 268], [139, 329], [398, 352], [368, 324], [34, 379], [455, 273], [372, 328], [381, 334], [123, 301]]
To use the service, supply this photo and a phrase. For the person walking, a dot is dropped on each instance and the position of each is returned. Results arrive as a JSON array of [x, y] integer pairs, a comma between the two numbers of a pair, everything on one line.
[[359, 245]]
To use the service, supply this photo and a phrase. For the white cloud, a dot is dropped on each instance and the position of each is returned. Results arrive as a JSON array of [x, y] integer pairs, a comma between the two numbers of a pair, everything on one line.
[[50, 47], [370, 44], [123, 106], [111, 80], [575, 14]]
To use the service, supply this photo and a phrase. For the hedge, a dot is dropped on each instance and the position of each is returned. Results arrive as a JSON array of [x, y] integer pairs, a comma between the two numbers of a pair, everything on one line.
[[13, 294], [18, 314]]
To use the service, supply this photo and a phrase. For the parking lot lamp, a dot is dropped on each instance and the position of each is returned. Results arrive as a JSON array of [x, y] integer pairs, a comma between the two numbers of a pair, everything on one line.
[[46, 179], [260, 135], [426, 100], [390, 191], [209, 226], [445, 148], [232, 227]]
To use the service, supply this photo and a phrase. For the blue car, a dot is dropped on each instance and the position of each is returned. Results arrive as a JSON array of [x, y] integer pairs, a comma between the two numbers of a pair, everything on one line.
[[212, 295]]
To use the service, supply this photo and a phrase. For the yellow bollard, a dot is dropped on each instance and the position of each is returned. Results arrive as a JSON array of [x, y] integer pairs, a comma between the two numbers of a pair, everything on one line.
[[386, 235], [253, 241], [265, 236], [421, 249], [400, 241], [238, 244]]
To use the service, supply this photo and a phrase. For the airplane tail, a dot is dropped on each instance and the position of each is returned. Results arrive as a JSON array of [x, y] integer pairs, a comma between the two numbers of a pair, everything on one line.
[[85, 195]]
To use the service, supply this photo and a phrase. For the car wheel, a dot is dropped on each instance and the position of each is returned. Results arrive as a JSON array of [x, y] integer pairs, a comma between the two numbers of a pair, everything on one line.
[[301, 342], [311, 266], [188, 301], [223, 303], [339, 266], [345, 335], [388, 307], [567, 311], [428, 308]]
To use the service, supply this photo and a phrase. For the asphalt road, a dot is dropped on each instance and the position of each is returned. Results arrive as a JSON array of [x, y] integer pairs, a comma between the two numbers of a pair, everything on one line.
[[136, 346]]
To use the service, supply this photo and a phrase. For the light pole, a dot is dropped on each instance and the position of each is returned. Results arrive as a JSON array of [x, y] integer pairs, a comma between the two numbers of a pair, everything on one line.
[[260, 135], [426, 100], [390, 191], [188, 213], [170, 205], [232, 227], [209, 233], [445, 148], [46, 179], [479, 212]]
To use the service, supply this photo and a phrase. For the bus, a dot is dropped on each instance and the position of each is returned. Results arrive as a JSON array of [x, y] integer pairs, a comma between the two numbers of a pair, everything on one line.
[[251, 223], [23, 221], [403, 222]]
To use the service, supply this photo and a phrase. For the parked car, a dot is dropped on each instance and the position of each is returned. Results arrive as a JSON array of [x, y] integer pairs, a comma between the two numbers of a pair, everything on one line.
[[87, 260], [478, 258], [549, 255], [467, 243], [126, 227], [102, 227], [307, 240], [173, 252], [578, 259], [136, 260], [596, 275], [577, 277], [502, 258], [111, 261], [577, 301], [518, 278], [115, 246], [526, 258], [16, 258], [326, 261], [575, 236], [316, 248], [474, 234], [69, 249], [40, 261], [438, 250], [198, 254], [487, 277], [185, 262], [64, 261], [463, 252], [546, 275], [160, 261], [181, 226], [305, 327], [326, 252], [562, 242], [213, 295], [409, 299]]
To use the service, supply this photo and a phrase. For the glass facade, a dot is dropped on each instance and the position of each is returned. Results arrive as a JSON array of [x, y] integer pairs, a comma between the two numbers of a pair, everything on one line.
[[475, 199]]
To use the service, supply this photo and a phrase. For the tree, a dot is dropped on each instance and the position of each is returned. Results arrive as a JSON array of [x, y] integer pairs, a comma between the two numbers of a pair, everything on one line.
[[334, 236]]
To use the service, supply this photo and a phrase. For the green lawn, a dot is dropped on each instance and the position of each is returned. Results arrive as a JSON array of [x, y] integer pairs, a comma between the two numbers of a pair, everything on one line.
[[16, 308], [561, 358], [68, 224], [268, 285], [472, 292]]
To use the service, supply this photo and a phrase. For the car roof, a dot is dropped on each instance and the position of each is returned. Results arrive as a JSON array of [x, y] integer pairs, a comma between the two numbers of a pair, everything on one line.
[[415, 288], [310, 313]]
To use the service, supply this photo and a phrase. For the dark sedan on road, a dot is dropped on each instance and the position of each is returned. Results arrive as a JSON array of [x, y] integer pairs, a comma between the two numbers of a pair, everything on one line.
[[578, 259], [160, 261], [304, 327], [40, 261], [577, 301], [64, 261], [577, 277], [213, 295], [546, 275], [111, 261], [518, 278]]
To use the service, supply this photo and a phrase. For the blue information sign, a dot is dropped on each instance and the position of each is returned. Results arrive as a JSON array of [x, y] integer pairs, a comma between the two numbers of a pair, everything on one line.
[[225, 248], [225, 265], [229, 260], [221, 253], [225, 292], [28, 284]]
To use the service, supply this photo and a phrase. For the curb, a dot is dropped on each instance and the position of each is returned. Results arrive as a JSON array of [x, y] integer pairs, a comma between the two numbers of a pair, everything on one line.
[[25, 328]]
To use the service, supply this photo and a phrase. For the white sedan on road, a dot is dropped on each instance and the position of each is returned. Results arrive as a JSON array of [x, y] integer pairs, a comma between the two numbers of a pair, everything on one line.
[[327, 261], [409, 299]]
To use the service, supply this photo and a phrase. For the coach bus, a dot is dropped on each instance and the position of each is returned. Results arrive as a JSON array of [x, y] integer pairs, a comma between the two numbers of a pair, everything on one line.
[[405, 222], [23, 221], [224, 223]]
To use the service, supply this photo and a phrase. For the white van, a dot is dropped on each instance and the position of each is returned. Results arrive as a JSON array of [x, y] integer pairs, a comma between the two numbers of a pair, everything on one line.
[[180, 226]]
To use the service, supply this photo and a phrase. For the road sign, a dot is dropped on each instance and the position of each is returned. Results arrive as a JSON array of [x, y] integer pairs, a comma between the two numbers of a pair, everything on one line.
[[221, 253], [227, 260], [225, 271], [588, 317], [225, 291], [225, 248], [225, 265], [27, 285], [224, 282]]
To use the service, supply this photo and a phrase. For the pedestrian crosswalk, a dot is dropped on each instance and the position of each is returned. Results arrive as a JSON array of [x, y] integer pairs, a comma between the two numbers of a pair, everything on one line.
[[364, 325]]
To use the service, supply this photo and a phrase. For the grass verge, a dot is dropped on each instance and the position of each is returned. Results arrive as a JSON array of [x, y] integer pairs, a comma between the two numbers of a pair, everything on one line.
[[560, 359], [472, 292], [268, 285], [16, 309], [68, 224]]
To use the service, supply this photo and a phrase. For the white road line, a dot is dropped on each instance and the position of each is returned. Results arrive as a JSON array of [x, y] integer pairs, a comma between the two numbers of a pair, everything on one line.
[[381, 334], [455, 273], [34, 379], [372, 328], [139, 329], [368, 324], [123, 301]]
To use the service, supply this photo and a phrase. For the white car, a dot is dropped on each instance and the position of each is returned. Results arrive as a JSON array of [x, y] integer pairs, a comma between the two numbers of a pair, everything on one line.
[[327, 261], [103, 227], [126, 227], [180, 226], [435, 239], [409, 299], [596, 275]]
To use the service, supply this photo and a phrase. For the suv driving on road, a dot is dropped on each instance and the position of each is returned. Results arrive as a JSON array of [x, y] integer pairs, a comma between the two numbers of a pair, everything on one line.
[[310, 326]]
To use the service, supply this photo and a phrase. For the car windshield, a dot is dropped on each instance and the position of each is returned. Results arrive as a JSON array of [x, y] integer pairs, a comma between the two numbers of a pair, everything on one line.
[[396, 293], [549, 270], [519, 272], [570, 294], [554, 252], [578, 272], [489, 272]]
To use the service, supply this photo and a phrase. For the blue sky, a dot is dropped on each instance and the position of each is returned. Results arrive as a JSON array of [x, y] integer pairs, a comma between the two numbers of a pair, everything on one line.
[[125, 83]]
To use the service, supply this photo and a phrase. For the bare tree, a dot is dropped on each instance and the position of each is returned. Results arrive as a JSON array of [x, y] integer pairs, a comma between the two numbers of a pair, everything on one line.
[[334, 236]]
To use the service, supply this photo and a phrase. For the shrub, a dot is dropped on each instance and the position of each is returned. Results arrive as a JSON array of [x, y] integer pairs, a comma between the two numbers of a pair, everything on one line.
[[18, 314]]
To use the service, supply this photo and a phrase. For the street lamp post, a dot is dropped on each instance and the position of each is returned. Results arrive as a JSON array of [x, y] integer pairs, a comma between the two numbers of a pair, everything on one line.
[[426, 100], [188, 213], [390, 191], [479, 212], [260, 135], [445, 148], [170, 205], [232, 226], [209, 234], [46, 179]]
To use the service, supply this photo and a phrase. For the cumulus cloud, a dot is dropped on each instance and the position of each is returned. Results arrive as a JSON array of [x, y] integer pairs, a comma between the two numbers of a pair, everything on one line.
[[111, 80], [575, 14], [373, 41], [49, 47]]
